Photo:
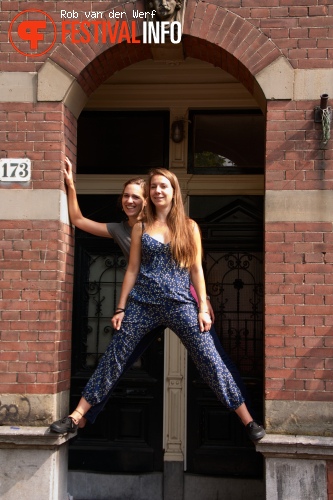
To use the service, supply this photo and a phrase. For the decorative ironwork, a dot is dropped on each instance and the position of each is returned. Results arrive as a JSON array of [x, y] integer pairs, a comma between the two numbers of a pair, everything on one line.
[[234, 282], [101, 293]]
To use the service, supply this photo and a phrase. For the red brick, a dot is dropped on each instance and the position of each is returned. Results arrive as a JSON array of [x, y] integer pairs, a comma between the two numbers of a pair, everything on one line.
[[280, 395], [298, 11], [273, 384], [274, 363], [9, 356], [12, 388], [274, 341], [313, 362], [311, 385], [292, 362], [292, 385], [41, 388], [319, 10], [26, 378], [312, 396], [8, 378]]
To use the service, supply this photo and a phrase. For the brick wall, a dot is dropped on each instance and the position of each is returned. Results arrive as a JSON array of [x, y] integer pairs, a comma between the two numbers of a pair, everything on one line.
[[36, 307], [299, 311], [296, 157], [299, 262], [37, 258]]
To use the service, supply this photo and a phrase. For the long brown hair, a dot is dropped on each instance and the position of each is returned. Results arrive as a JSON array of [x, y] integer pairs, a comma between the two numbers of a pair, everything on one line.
[[182, 243]]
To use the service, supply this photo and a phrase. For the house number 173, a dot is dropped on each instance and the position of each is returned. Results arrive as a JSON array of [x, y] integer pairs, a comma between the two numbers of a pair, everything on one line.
[[15, 170]]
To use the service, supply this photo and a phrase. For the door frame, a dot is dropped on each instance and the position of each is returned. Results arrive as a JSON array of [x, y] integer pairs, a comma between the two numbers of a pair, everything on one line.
[[175, 355]]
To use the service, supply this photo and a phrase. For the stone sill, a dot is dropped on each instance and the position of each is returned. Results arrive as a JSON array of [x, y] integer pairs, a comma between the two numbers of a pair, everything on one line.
[[282, 445], [31, 437]]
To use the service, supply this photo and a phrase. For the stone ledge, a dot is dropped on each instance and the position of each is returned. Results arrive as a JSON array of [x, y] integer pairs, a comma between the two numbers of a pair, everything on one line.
[[31, 437], [278, 445]]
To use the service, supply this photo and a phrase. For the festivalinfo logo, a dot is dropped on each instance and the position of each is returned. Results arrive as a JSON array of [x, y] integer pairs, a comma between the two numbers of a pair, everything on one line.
[[33, 32]]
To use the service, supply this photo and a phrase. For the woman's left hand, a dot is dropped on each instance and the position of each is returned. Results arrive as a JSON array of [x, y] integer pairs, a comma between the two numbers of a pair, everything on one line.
[[205, 321], [117, 319]]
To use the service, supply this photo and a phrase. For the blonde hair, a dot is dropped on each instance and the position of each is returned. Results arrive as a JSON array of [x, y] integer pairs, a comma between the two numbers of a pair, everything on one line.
[[183, 248]]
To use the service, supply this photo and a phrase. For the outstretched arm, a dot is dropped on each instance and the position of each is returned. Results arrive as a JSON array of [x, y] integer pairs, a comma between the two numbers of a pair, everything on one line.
[[130, 275], [90, 226], [198, 280]]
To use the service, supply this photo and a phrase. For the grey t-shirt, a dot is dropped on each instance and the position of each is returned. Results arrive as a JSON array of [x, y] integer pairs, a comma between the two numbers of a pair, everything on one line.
[[121, 233]]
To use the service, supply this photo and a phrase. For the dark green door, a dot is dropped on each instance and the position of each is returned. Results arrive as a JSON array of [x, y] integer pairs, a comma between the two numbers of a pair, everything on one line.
[[232, 239], [127, 435]]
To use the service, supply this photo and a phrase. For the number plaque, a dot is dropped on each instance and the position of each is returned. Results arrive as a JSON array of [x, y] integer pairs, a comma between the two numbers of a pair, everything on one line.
[[15, 169]]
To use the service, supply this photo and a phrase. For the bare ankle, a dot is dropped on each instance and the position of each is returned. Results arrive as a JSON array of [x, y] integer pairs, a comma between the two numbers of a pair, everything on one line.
[[74, 416], [82, 422]]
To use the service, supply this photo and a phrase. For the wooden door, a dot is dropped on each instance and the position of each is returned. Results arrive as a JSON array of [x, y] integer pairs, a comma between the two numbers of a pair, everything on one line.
[[232, 240], [127, 435]]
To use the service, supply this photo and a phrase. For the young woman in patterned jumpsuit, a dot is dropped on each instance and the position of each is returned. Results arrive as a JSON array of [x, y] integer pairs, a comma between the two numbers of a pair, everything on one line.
[[165, 257]]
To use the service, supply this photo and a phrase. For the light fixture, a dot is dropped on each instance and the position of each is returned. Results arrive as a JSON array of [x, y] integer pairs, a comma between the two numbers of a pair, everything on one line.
[[323, 115], [177, 131]]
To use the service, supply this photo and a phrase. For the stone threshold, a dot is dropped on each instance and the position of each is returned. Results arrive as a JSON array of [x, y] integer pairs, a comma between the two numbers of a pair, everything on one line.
[[26, 437]]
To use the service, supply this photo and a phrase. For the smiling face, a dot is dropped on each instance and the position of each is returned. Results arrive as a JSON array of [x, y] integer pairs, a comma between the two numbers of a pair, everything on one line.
[[133, 200], [161, 191]]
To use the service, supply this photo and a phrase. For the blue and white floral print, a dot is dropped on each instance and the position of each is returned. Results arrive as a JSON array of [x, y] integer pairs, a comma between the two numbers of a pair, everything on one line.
[[161, 296]]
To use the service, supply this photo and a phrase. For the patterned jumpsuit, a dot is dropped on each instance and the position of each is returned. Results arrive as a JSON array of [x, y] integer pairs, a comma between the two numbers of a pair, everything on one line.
[[161, 296]]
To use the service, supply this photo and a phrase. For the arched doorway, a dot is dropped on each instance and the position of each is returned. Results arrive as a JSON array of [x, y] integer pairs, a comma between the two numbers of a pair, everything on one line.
[[173, 90]]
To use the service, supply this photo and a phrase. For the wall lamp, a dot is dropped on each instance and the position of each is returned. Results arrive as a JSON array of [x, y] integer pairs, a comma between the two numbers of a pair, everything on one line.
[[177, 131], [323, 115]]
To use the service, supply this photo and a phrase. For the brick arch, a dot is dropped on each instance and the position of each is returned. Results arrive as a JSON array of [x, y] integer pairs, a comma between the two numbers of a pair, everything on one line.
[[239, 39], [211, 33]]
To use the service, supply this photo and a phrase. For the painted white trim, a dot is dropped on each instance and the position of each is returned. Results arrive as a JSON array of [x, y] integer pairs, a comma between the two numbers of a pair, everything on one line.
[[191, 184]]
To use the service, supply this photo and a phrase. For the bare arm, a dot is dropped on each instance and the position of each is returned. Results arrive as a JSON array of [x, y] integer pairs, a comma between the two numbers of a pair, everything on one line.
[[90, 226], [211, 310], [198, 280], [130, 275]]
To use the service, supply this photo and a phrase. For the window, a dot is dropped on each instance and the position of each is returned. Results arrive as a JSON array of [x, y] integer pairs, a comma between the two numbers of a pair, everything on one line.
[[111, 142], [226, 142]]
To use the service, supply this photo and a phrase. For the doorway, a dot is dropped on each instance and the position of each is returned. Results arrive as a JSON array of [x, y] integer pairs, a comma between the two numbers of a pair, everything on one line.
[[232, 230], [127, 435]]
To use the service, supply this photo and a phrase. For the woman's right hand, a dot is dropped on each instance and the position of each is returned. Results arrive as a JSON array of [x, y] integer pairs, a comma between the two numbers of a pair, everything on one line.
[[117, 319]]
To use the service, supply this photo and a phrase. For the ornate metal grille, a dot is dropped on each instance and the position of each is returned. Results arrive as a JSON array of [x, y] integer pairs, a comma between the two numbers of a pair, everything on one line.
[[101, 290], [128, 435], [234, 282], [101, 268], [232, 232]]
